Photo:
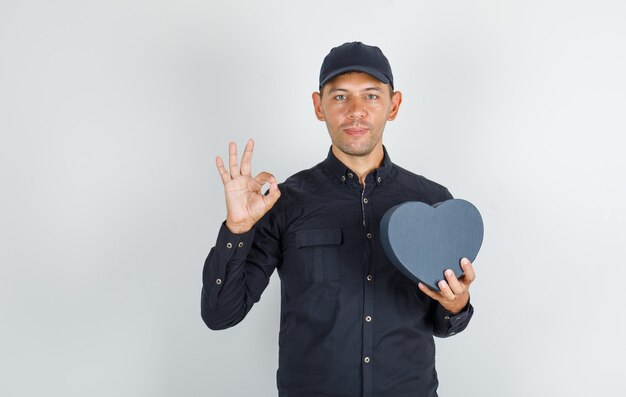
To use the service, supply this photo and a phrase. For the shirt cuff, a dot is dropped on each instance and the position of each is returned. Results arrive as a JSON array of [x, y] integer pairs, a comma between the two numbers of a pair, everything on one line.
[[229, 254], [230, 246], [455, 323]]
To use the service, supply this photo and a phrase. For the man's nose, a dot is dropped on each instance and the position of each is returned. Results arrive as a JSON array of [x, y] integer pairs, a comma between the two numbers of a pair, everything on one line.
[[357, 110]]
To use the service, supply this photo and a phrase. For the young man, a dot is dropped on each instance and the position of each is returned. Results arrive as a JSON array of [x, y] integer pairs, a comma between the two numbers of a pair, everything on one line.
[[351, 324]]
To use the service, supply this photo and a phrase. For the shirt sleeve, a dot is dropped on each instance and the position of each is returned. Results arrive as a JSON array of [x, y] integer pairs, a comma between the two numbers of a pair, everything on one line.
[[447, 324], [237, 271]]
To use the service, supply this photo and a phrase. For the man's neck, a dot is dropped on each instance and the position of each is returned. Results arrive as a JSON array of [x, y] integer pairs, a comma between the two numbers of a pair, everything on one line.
[[361, 165]]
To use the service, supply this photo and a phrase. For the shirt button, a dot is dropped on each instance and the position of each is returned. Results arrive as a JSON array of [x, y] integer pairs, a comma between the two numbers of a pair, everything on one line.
[[368, 319], [229, 245], [369, 236], [369, 277], [379, 179], [366, 360], [343, 178], [365, 200], [350, 175], [218, 281], [446, 318], [240, 244]]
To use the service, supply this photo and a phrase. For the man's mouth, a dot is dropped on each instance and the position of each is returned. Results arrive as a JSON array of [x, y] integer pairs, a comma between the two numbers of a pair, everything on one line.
[[355, 131]]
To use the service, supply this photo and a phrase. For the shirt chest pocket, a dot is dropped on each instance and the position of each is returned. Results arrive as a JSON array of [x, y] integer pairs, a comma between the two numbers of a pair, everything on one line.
[[319, 253]]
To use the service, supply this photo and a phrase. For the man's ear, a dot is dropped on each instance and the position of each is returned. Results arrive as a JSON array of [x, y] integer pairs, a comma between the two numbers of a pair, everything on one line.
[[396, 100], [317, 106]]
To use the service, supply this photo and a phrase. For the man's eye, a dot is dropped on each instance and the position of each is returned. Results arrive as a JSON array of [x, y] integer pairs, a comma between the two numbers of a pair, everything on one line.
[[372, 96], [340, 97]]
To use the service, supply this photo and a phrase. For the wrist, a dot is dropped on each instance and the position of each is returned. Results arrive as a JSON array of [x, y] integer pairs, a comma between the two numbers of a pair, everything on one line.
[[238, 228], [460, 306]]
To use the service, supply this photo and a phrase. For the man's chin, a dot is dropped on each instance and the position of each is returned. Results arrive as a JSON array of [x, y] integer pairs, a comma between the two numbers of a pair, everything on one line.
[[355, 151]]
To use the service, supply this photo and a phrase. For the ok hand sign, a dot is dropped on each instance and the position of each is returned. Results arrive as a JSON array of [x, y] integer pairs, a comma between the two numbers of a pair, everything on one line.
[[245, 204]]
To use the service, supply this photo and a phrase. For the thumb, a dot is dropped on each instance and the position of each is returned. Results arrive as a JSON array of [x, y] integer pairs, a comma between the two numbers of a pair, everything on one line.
[[273, 194]]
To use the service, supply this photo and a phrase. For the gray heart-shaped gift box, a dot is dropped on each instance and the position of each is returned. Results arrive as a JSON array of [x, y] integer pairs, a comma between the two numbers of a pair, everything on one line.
[[422, 241]]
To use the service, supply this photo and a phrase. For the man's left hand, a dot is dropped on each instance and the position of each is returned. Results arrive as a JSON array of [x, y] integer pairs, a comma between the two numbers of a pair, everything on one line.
[[454, 292]]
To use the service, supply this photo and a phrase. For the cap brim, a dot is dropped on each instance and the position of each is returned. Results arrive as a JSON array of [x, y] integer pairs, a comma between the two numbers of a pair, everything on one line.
[[372, 72]]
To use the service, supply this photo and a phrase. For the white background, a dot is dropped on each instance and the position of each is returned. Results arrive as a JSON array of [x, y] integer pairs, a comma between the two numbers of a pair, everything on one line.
[[111, 114]]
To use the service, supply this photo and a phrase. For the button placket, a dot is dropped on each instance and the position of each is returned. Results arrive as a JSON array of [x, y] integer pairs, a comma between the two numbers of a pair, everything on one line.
[[369, 286]]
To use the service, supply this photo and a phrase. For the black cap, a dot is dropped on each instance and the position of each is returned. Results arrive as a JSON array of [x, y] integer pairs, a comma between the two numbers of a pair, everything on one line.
[[356, 57]]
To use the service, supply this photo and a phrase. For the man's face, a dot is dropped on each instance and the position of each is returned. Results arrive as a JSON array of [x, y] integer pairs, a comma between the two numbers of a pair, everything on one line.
[[356, 107]]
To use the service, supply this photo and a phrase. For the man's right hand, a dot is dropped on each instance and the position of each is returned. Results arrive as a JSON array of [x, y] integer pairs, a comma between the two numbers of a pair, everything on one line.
[[245, 204]]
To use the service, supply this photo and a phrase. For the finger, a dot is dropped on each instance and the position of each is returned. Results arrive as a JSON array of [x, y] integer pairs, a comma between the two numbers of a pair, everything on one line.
[[454, 283], [246, 159], [232, 160], [219, 163], [262, 178], [444, 289], [429, 292], [468, 269]]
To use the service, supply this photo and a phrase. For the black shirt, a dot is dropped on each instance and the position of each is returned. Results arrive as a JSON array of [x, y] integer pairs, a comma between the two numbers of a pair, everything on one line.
[[350, 324]]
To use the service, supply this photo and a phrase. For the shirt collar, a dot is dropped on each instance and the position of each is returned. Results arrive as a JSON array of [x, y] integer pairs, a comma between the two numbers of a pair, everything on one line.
[[338, 171]]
